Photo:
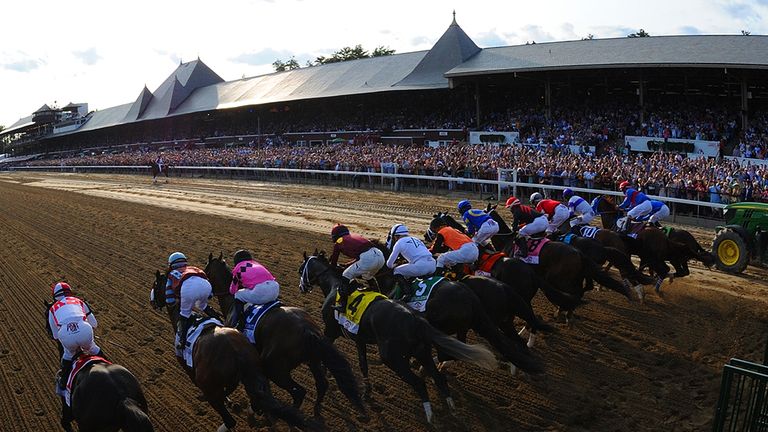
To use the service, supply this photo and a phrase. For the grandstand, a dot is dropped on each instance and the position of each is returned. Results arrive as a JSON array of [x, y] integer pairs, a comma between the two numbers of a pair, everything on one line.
[[436, 96]]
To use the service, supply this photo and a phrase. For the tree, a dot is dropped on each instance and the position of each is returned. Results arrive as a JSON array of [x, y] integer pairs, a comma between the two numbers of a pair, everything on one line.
[[353, 53], [589, 37], [746, 33], [281, 66], [382, 51], [641, 33]]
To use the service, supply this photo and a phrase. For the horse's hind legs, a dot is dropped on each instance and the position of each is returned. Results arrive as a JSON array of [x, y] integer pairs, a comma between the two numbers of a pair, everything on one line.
[[283, 380], [321, 384], [395, 359], [218, 404]]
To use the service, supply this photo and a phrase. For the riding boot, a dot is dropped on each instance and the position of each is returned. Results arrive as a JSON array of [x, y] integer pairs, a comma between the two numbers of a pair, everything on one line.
[[522, 247], [402, 288], [212, 313], [183, 326], [237, 314], [66, 368], [344, 291], [373, 285]]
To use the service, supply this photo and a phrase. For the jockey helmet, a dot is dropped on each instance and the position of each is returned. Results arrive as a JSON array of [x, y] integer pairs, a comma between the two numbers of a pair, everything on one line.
[[399, 230], [536, 197], [242, 255], [511, 202], [60, 289], [567, 193], [624, 186], [177, 259], [464, 205], [338, 231]]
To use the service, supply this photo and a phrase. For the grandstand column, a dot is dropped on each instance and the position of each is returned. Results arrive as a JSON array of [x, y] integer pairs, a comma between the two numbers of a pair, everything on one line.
[[477, 104], [641, 97], [548, 98], [744, 104]]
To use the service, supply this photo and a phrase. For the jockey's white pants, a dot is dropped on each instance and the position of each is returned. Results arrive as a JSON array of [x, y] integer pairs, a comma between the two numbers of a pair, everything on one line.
[[423, 267], [561, 215], [584, 213], [366, 267], [466, 254], [538, 225], [264, 292], [487, 230], [76, 335], [640, 210], [195, 291], [660, 215]]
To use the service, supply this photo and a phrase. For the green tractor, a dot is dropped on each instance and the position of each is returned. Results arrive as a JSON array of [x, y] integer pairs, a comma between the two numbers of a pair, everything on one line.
[[743, 239]]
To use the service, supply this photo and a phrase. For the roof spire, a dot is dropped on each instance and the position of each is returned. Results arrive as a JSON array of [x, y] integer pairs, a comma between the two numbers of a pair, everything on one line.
[[454, 18]]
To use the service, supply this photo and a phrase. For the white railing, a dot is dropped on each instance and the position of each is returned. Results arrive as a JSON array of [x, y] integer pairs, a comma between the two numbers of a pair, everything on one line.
[[501, 184]]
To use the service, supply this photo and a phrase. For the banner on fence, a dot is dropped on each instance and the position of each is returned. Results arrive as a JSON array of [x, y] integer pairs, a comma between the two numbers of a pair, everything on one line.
[[494, 137], [672, 145]]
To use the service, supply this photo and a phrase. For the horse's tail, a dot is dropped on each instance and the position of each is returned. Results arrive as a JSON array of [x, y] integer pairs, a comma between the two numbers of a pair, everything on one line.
[[476, 354], [622, 262], [257, 387], [134, 418], [563, 300], [516, 353], [336, 363], [592, 271]]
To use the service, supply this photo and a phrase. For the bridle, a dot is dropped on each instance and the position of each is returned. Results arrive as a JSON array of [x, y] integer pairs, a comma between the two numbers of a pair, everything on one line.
[[306, 283]]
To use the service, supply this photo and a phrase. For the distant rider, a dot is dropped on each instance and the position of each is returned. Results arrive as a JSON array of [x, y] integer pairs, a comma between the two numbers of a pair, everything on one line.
[[368, 260], [456, 247], [190, 286], [636, 202], [251, 283], [72, 323], [480, 225], [555, 210], [420, 261], [580, 209], [534, 221]]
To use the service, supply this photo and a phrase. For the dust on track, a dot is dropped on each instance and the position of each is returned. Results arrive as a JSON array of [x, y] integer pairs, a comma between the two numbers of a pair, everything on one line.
[[622, 367]]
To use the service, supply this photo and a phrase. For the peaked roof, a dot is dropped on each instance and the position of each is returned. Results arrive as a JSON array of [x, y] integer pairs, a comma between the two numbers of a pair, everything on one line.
[[43, 108], [187, 78], [138, 107], [453, 48]]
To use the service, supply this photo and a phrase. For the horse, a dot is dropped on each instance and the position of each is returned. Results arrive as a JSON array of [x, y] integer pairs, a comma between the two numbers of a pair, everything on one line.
[[158, 169], [104, 397], [286, 337], [655, 246], [223, 358], [399, 333]]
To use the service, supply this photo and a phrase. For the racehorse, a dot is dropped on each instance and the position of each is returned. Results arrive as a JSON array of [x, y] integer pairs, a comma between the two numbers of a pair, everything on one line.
[[399, 333], [654, 246], [104, 396], [158, 169], [286, 337], [223, 358]]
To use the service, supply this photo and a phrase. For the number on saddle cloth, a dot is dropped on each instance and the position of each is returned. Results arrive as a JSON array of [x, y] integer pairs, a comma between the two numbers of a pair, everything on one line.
[[588, 231], [357, 303], [253, 315], [421, 289]]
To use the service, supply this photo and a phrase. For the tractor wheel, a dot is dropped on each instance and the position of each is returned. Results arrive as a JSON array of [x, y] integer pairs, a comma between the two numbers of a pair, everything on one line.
[[731, 252]]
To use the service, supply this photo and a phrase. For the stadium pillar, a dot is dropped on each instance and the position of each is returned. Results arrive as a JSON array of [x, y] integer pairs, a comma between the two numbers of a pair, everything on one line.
[[548, 98], [477, 104], [744, 104], [641, 97]]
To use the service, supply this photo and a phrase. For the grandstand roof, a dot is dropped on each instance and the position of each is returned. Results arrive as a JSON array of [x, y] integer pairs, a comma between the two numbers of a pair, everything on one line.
[[20, 124], [657, 51]]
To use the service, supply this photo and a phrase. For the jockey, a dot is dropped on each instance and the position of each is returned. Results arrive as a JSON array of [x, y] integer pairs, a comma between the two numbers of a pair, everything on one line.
[[659, 212], [534, 221], [71, 322], [636, 202], [420, 261], [557, 212], [251, 283], [480, 225], [460, 248], [368, 260], [580, 209], [190, 285]]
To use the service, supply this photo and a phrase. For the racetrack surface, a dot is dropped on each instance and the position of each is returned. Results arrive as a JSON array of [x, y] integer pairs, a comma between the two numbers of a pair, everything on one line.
[[640, 367]]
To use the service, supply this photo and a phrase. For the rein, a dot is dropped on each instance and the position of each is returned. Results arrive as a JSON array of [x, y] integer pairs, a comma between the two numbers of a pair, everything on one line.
[[305, 285]]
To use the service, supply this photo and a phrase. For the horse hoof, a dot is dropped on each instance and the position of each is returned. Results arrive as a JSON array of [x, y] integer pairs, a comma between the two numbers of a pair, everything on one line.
[[450, 402], [428, 412], [223, 428]]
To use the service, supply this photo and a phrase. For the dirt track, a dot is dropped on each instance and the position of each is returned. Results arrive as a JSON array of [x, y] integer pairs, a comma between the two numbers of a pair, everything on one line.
[[622, 367]]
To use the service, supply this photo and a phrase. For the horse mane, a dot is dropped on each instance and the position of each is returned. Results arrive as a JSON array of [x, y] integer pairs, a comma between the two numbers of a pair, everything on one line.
[[378, 244]]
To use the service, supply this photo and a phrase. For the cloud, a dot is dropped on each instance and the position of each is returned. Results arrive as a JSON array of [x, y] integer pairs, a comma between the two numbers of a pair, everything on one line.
[[266, 56], [420, 41], [491, 39], [568, 31], [613, 31], [23, 65], [536, 33], [743, 11], [175, 58], [89, 56], [689, 30]]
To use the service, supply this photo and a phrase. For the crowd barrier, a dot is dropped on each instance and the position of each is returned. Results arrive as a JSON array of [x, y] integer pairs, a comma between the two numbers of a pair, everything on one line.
[[391, 179]]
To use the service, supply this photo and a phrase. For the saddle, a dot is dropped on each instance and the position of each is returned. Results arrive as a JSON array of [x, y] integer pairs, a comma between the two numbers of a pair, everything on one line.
[[80, 362]]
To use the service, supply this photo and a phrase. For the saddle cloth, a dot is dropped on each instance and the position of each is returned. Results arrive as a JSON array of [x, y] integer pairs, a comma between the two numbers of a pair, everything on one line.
[[534, 248], [486, 262], [81, 362], [421, 289], [194, 332], [588, 231], [357, 303], [253, 315]]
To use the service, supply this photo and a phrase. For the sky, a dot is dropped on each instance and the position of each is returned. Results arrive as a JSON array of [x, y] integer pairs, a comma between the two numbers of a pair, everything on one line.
[[56, 52]]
